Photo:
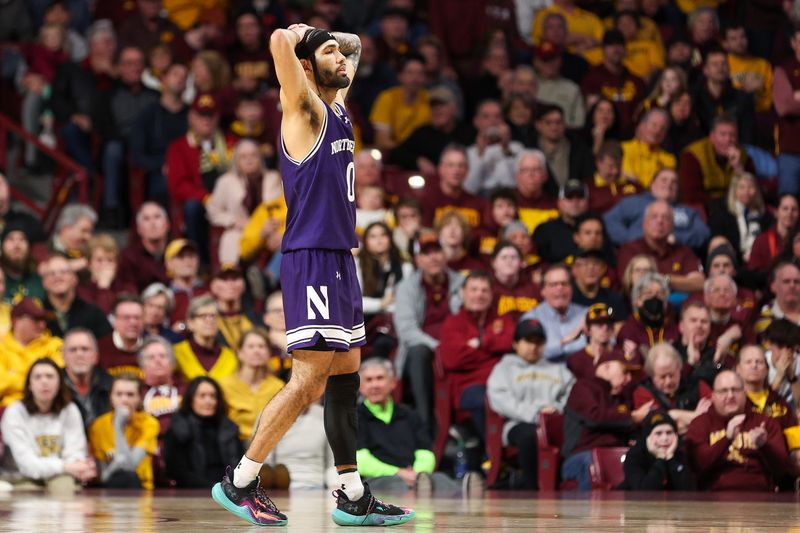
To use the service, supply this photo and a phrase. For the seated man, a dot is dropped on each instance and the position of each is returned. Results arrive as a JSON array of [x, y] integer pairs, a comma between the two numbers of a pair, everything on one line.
[[732, 448], [523, 385], [650, 322], [677, 262], [599, 413], [394, 448], [161, 395], [27, 341], [722, 261], [785, 285], [624, 220], [701, 359], [18, 265], [561, 319], [782, 338], [89, 384], [124, 439], [708, 165], [471, 342], [553, 238], [118, 351], [567, 156], [448, 193], [600, 320], [683, 398], [731, 324], [142, 261], [588, 267], [227, 287], [607, 187], [423, 301], [66, 309], [183, 269], [536, 202], [201, 354], [491, 158], [642, 156]]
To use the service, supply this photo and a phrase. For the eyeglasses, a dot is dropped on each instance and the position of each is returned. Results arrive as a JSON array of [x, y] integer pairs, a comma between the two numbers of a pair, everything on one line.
[[206, 316]]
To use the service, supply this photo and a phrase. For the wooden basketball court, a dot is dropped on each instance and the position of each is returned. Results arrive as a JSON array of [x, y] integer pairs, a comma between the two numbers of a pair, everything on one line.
[[195, 512]]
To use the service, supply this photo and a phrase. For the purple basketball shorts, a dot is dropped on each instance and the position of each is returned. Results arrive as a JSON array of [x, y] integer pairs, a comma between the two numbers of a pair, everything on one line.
[[322, 300]]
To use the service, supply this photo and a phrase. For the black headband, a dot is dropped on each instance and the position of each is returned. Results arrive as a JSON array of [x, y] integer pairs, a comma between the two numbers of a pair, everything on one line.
[[312, 40]]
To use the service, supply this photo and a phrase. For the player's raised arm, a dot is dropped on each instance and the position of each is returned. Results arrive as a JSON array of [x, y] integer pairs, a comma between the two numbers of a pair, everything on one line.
[[294, 87], [350, 47]]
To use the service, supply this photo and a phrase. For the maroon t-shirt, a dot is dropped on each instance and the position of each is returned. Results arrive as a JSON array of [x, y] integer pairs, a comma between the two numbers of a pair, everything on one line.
[[675, 259], [206, 356], [625, 90], [516, 299], [115, 360], [435, 203], [437, 307]]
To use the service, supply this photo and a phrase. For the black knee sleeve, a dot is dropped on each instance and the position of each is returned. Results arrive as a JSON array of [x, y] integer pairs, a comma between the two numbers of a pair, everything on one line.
[[341, 416]]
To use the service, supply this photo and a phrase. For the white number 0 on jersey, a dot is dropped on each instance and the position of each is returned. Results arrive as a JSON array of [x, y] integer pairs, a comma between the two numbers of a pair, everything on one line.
[[351, 181]]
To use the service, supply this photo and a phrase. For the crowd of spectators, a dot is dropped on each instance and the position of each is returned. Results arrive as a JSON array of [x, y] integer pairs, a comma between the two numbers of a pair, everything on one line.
[[584, 209]]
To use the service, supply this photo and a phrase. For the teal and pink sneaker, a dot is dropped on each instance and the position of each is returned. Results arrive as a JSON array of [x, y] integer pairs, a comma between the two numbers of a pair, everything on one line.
[[250, 503], [368, 511]]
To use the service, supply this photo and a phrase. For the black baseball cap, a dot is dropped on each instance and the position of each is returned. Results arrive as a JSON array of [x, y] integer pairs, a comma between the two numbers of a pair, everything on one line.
[[530, 330]]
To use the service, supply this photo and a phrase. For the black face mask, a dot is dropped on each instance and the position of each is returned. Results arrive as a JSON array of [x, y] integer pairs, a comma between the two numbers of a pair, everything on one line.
[[652, 312]]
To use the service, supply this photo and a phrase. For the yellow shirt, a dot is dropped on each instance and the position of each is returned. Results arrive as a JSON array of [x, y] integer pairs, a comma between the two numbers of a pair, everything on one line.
[[532, 217], [579, 22], [16, 359], [648, 31], [184, 13], [391, 111], [189, 366], [232, 328], [251, 242], [641, 162], [687, 6], [245, 404], [741, 66], [643, 58], [140, 432]]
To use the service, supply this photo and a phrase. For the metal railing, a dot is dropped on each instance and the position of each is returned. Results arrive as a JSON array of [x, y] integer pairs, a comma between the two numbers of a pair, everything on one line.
[[68, 176]]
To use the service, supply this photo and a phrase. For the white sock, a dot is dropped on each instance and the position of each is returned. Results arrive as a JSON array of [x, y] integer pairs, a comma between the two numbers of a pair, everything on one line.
[[245, 472], [351, 485]]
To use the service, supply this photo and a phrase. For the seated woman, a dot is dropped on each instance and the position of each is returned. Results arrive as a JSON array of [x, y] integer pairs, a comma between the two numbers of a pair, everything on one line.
[[379, 269], [202, 354], [44, 433], [741, 215], [103, 285], [253, 385], [158, 302], [124, 439], [236, 195], [201, 440], [515, 292], [636, 269], [454, 236], [656, 461]]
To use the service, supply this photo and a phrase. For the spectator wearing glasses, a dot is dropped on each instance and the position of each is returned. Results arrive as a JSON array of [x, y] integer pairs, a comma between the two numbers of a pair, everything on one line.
[[201, 354]]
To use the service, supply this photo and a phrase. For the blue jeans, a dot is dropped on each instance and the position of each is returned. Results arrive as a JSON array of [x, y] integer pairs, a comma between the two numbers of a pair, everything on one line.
[[473, 399], [576, 467], [113, 172], [79, 146], [157, 189], [789, 173]]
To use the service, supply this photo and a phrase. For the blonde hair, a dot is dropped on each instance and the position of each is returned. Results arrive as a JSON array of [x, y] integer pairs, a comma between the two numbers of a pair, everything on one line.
[[104, 242], [627, 276], [218, 68], [756, 204]]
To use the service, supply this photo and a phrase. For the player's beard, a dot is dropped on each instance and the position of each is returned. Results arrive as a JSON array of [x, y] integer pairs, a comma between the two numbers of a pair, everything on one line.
[[329, 79]]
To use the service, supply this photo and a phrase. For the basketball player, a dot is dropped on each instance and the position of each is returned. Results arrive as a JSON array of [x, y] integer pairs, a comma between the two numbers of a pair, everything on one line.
[[321, 295]]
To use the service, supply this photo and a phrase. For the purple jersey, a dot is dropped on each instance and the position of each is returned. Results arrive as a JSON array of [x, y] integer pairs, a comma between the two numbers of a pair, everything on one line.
[[320, 189]]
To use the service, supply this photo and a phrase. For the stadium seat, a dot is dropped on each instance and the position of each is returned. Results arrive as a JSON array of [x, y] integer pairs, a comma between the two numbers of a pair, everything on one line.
[[606, 469], [445, 411]]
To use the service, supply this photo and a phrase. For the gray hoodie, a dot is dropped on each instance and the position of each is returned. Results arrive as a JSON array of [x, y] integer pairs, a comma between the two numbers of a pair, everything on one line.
[[518, 390]]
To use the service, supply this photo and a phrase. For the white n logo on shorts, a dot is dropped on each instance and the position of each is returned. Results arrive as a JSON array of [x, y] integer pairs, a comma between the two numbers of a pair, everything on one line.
[[319, 301]]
